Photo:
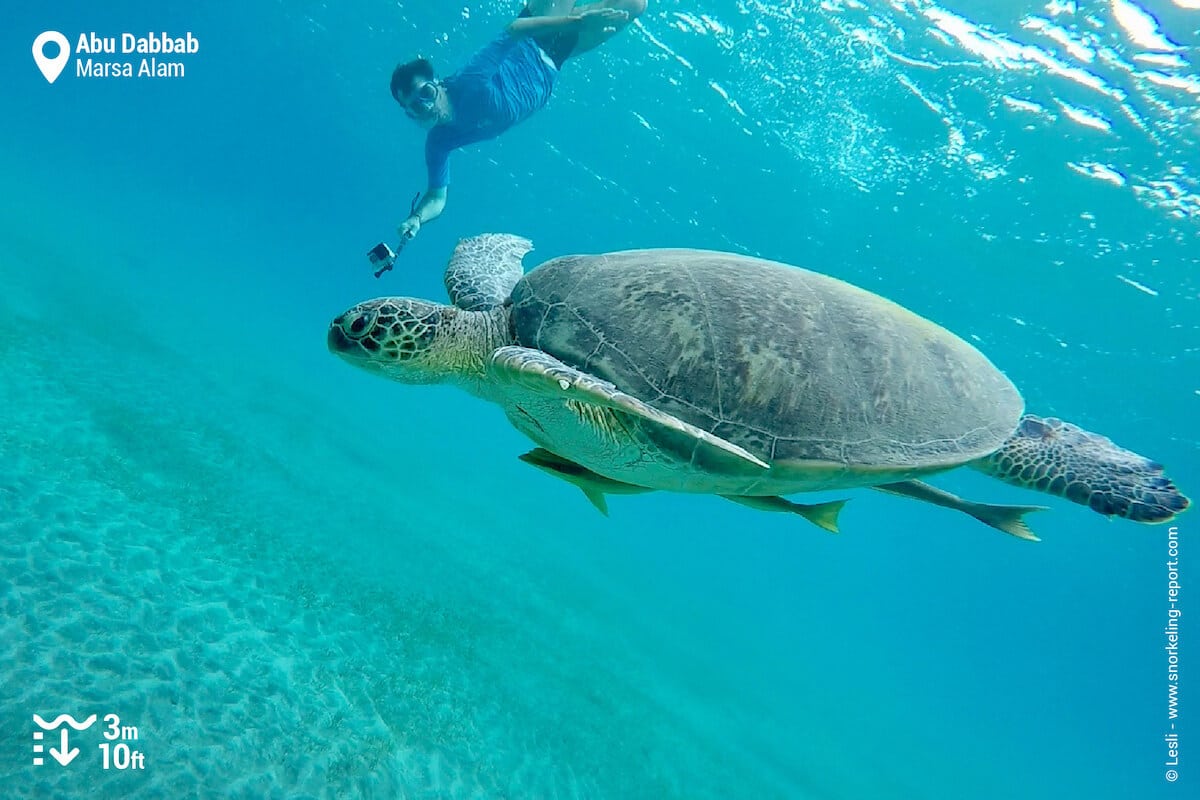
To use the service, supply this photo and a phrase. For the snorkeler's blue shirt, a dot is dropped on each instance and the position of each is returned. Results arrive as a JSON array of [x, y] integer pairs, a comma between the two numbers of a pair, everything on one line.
[[501, 85]]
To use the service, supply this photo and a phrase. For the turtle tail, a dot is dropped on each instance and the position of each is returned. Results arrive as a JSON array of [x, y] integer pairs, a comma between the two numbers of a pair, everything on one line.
[[1062, 459]]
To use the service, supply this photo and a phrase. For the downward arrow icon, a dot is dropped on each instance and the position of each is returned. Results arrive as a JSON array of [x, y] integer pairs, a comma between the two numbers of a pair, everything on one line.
[[63, 755]]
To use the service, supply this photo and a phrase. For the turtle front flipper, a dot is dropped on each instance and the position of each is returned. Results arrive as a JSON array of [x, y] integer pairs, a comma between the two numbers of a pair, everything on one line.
[[536, 371], [1062, 459], [484, 269]]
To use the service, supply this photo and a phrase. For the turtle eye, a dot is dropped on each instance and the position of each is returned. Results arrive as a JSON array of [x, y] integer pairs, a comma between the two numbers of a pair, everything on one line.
[[358, 325]]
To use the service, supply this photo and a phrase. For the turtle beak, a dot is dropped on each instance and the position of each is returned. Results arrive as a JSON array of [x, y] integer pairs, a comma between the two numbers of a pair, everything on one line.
[[338, 341], [348, 331]]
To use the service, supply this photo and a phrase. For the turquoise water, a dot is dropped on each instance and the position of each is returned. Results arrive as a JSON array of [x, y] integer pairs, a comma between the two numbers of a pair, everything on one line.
[[299, 580]]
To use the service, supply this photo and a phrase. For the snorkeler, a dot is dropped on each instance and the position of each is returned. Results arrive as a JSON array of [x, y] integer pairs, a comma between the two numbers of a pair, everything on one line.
[[501, 85]]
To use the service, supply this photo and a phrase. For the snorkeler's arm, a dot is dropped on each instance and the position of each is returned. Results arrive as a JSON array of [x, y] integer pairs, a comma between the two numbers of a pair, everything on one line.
[[430, 208], [437, 161], [535, 26], [431, 205], [564, 23]]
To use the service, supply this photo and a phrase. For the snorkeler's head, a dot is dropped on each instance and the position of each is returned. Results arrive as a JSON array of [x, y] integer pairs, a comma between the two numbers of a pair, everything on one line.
[[418, 92], [405, 74]]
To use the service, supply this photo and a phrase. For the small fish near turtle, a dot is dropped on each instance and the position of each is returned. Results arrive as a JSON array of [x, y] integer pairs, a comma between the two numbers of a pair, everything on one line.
[[716, 373]]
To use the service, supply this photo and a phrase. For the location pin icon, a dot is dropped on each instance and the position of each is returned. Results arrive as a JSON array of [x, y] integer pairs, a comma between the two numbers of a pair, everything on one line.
[[51, 67]]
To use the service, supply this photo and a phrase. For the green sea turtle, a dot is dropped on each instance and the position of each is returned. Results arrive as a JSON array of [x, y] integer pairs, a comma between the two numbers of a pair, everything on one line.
[[709, 372]]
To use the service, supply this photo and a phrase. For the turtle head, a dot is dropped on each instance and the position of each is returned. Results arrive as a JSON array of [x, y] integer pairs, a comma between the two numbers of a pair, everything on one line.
[[415, 341], [397, 337]]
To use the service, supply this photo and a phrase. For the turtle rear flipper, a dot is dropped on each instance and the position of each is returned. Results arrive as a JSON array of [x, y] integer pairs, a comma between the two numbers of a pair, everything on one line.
[[1062, 459], [536, 371]]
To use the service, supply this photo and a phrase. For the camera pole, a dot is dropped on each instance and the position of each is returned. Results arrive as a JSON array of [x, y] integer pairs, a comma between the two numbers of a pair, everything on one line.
[[383, 255]]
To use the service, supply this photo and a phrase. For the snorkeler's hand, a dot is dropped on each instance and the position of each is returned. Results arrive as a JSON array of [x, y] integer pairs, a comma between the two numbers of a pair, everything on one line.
[[607, 19], [408, 229]]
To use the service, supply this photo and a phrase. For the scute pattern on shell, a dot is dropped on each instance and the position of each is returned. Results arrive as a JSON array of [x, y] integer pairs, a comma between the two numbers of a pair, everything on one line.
[[787, 363]]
